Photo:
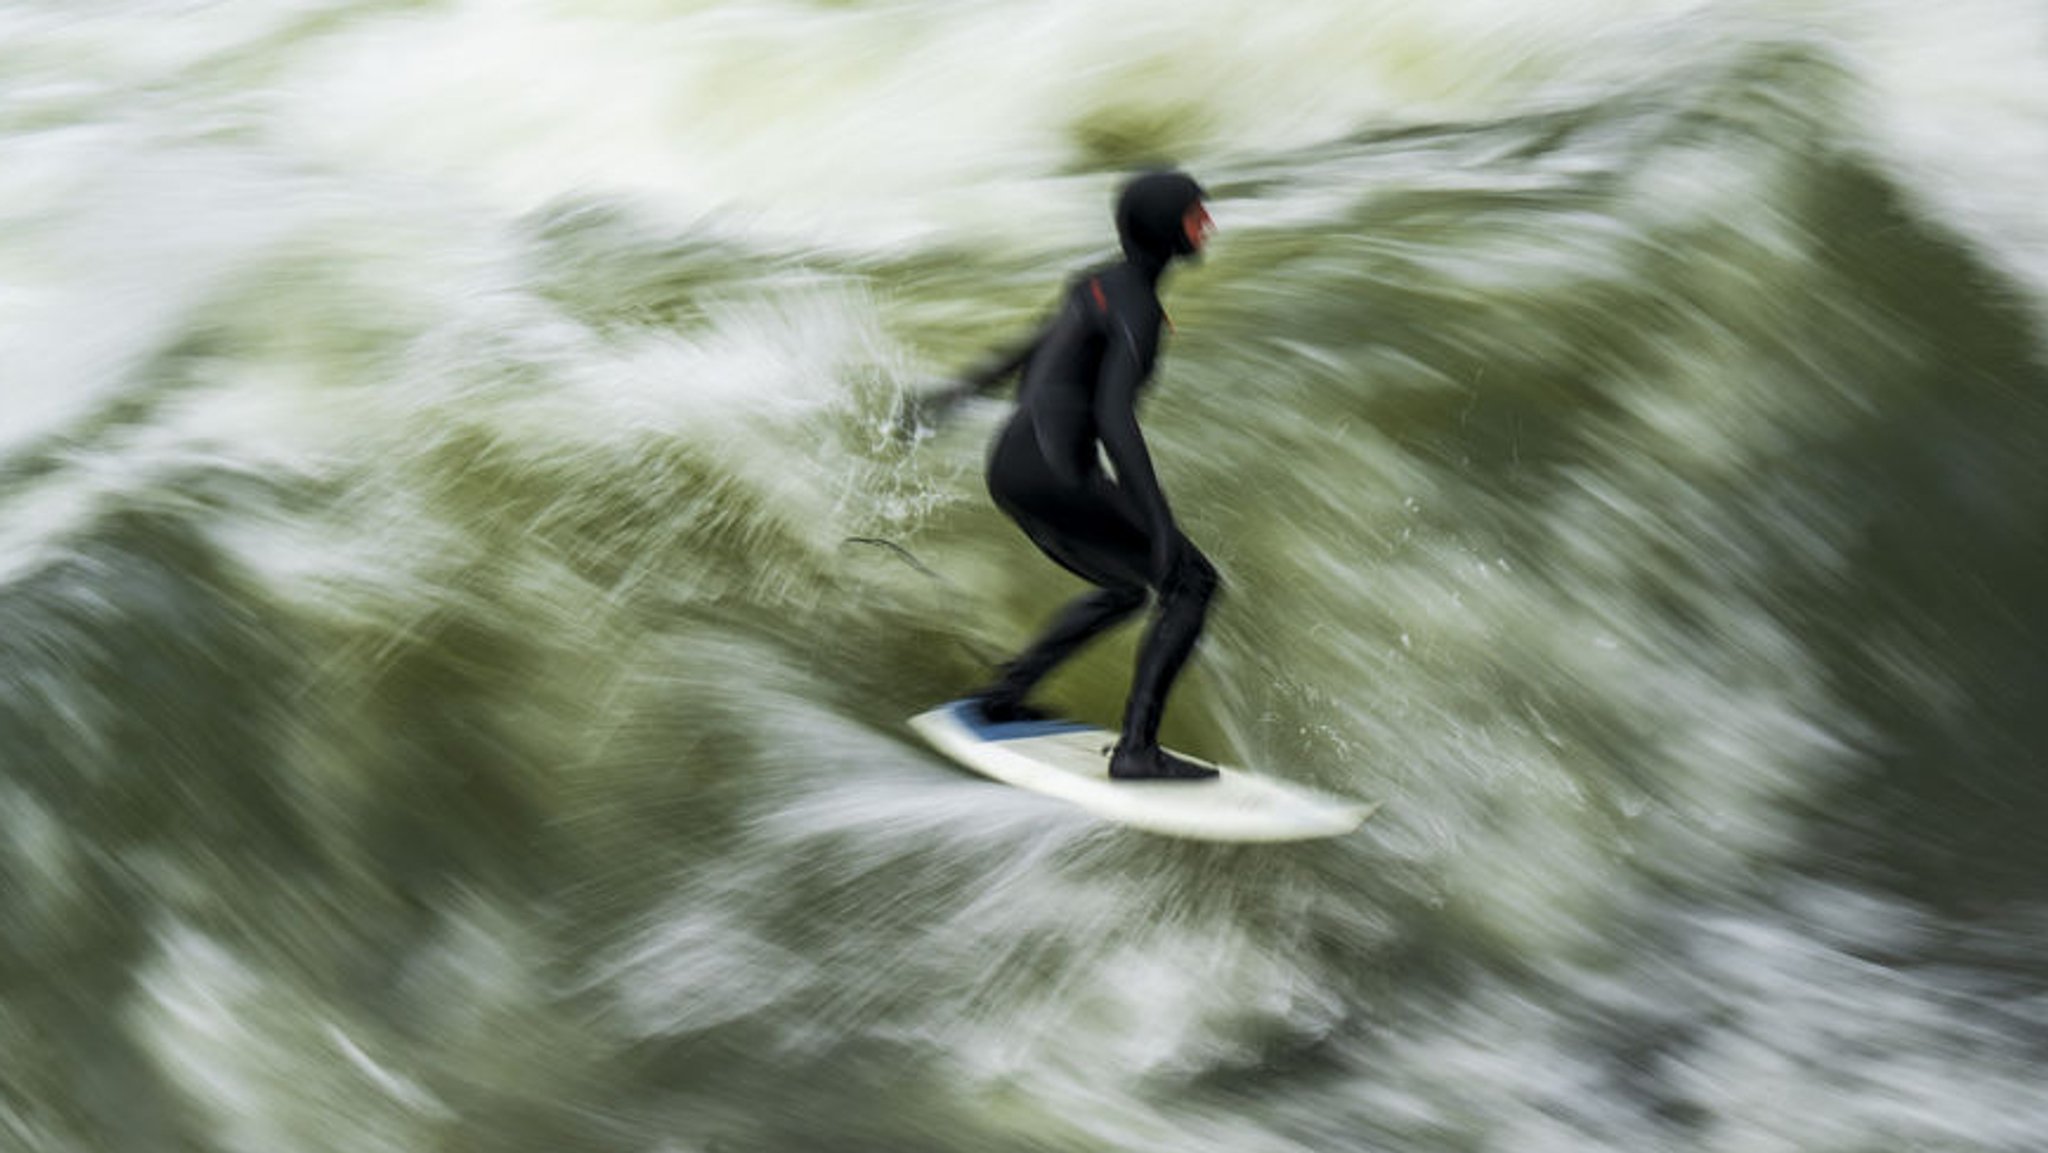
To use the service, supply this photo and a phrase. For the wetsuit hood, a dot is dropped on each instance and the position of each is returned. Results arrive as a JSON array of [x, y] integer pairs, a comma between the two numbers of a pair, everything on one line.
[[1149, 214]]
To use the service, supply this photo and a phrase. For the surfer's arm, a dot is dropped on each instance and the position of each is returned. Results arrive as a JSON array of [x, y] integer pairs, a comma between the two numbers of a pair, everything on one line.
[[1116, 425], [986, 377], [989, 375]]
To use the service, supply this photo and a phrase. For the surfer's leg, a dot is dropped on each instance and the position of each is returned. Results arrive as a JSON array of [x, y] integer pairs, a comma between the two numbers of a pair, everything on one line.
[[1094, 537], [1176, 626], [1081, 621]]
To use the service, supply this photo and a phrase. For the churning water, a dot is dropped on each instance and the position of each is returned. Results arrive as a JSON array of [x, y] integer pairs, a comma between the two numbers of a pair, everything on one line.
[[461, 577]]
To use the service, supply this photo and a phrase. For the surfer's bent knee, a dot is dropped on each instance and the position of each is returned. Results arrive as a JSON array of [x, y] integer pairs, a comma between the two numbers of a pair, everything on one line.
[[1193, 578]]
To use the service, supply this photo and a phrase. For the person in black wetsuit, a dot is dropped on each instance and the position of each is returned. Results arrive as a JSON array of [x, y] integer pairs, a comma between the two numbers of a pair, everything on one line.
[[1082, 376]]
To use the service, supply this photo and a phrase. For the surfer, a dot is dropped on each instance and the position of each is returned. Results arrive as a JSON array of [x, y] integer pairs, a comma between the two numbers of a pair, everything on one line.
[[1082, 376]]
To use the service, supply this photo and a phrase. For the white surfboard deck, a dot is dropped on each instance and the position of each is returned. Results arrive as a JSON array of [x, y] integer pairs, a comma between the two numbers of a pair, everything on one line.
[[1069, 760]]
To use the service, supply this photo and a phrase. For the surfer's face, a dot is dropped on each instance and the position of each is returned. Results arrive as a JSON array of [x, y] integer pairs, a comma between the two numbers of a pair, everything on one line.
[[1197, 225]]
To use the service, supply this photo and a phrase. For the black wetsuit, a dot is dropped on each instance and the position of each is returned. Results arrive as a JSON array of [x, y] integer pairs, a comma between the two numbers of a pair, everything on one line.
[[1082, 379]]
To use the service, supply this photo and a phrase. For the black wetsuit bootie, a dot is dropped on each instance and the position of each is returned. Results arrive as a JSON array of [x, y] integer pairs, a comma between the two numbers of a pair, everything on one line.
[[1156, 764]]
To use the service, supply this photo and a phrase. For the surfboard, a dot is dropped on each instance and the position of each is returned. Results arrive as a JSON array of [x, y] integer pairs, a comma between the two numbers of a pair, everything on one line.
[[1070, 760]]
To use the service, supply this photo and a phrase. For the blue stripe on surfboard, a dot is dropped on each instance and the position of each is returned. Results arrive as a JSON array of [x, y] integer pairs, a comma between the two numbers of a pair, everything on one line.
[[968, 715]]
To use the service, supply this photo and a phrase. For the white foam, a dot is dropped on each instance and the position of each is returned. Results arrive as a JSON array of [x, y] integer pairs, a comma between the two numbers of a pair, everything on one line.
[[1956, 107], [853, 128]]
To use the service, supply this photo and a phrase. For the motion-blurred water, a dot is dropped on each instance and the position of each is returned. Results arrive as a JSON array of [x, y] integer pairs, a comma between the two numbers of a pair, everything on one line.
[[460, 581]]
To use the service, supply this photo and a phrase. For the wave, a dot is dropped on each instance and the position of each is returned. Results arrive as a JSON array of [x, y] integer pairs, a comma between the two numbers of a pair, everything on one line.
[[445, 692]]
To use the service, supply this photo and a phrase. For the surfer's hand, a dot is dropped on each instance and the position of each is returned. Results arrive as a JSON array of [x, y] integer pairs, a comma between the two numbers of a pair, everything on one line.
[[917, 412]]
